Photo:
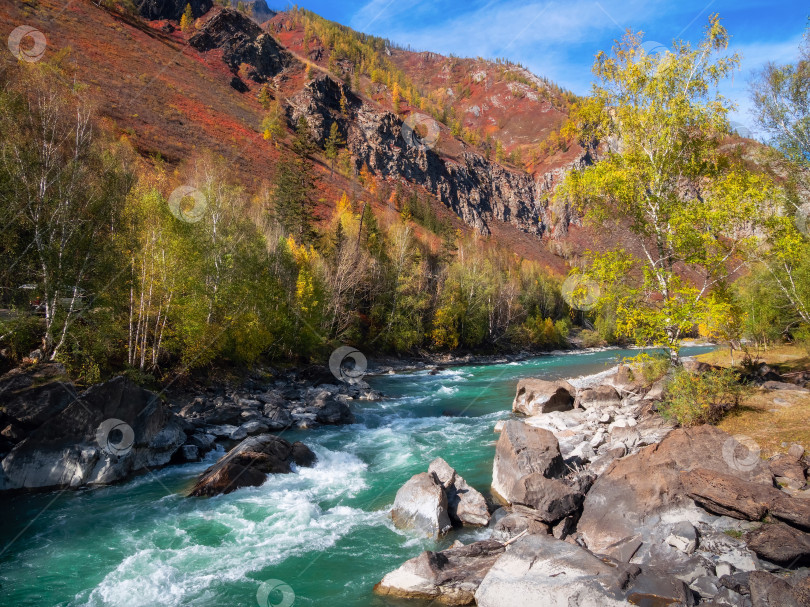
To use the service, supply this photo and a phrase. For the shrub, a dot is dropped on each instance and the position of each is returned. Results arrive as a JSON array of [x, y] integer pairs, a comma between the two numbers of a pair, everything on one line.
[[704, 398], [590, 339], [651, 367]]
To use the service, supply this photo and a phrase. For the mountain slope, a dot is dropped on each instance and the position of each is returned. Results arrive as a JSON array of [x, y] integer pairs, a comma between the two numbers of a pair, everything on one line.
[[176, 94]]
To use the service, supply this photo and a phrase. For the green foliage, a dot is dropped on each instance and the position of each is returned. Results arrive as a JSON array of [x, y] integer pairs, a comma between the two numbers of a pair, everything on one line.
[[780, 96], [686, 204], [703, 398], [650, 367], [333, 144]]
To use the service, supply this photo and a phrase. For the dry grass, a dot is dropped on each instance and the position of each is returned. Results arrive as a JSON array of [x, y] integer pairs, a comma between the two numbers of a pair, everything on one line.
[[775, 419], [786, 358]]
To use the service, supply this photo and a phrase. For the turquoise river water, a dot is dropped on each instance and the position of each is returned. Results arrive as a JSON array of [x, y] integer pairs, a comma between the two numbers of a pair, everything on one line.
[[325, 532]]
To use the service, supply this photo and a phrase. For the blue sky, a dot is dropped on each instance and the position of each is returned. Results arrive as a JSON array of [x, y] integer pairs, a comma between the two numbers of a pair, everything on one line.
[[559, 38]]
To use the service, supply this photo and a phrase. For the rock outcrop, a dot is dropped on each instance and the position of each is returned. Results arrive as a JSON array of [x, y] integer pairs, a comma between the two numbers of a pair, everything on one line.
[[100, 436], [242, 41], [449, 577], [476, 189], [172, 9], [726, 494], [421, 505], [536, 396], [249, 463], [542, 571], [636, 489]]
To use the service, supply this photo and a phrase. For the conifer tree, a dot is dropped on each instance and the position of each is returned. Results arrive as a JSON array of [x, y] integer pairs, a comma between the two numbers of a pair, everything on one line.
[[187, 20], [333, 143]]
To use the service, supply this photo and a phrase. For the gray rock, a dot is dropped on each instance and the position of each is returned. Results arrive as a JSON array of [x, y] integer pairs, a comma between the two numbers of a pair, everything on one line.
[[542, 571], [536, 396], [451, 576], [255, 427], [465, 505], [683, 537], [522, 450], [421, 505], [65, 450], [277, 417], [191, 453]]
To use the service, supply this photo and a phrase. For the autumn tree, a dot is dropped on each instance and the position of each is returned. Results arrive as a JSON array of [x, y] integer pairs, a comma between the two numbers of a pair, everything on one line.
[[187, 20], [274, 124], [688, 208], [61, 195]]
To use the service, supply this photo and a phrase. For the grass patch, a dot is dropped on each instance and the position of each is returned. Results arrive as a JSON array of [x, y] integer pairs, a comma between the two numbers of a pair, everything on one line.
[[735, 533], [771, 418], [786, 358]]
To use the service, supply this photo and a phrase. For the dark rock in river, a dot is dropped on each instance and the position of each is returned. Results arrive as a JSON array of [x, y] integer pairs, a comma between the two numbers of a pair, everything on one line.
[[249, 463]]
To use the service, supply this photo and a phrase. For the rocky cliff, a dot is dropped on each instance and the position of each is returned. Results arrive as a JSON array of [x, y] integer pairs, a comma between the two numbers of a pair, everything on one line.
[[476, 189]]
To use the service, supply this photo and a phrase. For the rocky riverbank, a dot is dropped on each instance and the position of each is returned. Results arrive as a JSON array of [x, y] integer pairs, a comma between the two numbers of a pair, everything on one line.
[[54, 436], [601, 501]]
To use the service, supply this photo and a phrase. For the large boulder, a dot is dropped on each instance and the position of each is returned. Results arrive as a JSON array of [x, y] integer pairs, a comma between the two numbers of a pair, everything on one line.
[[535, 396], [542, 571], [105, 434], [449, 577], [780, 544], [249, 463], [421, 505], [523, 450], [636, 489], [466, 506], [727, 495], [33, 406]]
